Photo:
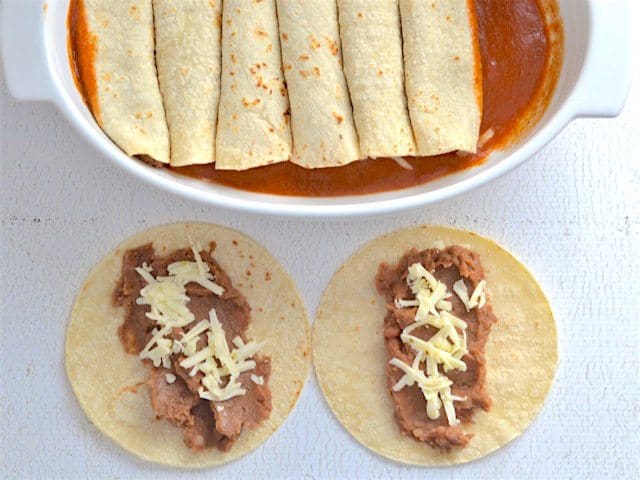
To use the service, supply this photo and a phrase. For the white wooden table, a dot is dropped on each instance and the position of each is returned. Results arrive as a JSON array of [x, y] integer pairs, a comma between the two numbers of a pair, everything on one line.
[[572, 214]]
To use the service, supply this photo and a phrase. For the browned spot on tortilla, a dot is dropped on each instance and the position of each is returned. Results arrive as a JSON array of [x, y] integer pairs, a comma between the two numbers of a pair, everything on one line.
[[250, 103], [314, 43], [333, 47]]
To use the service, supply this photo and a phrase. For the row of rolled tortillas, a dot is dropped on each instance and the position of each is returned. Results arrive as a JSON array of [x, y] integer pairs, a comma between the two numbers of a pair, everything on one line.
[[245, 83]]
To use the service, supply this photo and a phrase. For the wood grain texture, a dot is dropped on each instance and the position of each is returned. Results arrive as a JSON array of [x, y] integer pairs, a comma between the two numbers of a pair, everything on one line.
[[572, 213]]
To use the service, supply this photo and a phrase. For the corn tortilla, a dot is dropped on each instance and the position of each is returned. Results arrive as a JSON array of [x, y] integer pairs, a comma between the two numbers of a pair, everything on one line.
[[443, 74], [110, 384], [350, 357], [253, 118], [372, 52], [188, 59], [128, 106], [324, 133]]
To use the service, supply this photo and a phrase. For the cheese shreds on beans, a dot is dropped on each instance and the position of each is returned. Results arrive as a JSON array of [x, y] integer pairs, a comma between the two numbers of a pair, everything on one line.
[[478, 297], [446, 347], [166, 296]]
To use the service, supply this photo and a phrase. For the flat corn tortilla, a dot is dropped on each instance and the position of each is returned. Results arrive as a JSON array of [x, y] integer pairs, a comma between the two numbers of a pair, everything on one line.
[[443, 74], [110, 384], [188, 59], [350, 358], [372, 53], [324, 134], [254, 127], [127, 103]]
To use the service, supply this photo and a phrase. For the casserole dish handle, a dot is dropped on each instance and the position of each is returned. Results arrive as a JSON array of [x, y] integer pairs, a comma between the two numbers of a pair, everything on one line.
[[24, 55], [608, 68]]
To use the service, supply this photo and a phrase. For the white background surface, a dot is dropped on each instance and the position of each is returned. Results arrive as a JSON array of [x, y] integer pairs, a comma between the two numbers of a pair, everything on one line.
[[572, 213]]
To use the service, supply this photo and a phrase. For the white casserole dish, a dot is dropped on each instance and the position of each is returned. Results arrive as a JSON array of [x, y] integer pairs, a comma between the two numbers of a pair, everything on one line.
[[594, 82]]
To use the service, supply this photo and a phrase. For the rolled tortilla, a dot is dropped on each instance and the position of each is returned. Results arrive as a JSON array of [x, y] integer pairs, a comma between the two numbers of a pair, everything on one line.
[[324, 133], [253, 119], [443, 74], [127, 103], [188, 59], [372, 52]]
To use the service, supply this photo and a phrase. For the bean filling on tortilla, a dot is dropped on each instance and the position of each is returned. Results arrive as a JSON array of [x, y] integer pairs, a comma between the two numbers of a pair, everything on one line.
[[463, 372], [177, 392]]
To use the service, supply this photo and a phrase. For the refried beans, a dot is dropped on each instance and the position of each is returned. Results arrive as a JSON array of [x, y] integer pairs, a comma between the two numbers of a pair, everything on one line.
[[447, 266], [204, 423]]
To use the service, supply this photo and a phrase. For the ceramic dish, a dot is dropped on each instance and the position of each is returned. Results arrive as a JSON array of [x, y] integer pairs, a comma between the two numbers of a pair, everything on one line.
[[594, 82]]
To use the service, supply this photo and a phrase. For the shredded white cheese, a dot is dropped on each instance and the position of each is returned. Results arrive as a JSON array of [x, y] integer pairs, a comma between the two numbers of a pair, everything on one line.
[[460, 290], [167, 299], [166, 296], [258, 380], [403, 163], [478, 297], [216, 361], [485, 137], [446, 347], [436, 388], [158, 349], [431, 295]]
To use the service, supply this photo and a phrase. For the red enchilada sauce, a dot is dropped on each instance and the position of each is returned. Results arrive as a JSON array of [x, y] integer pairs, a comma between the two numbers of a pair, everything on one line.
[[521, 55], [82, 55]]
